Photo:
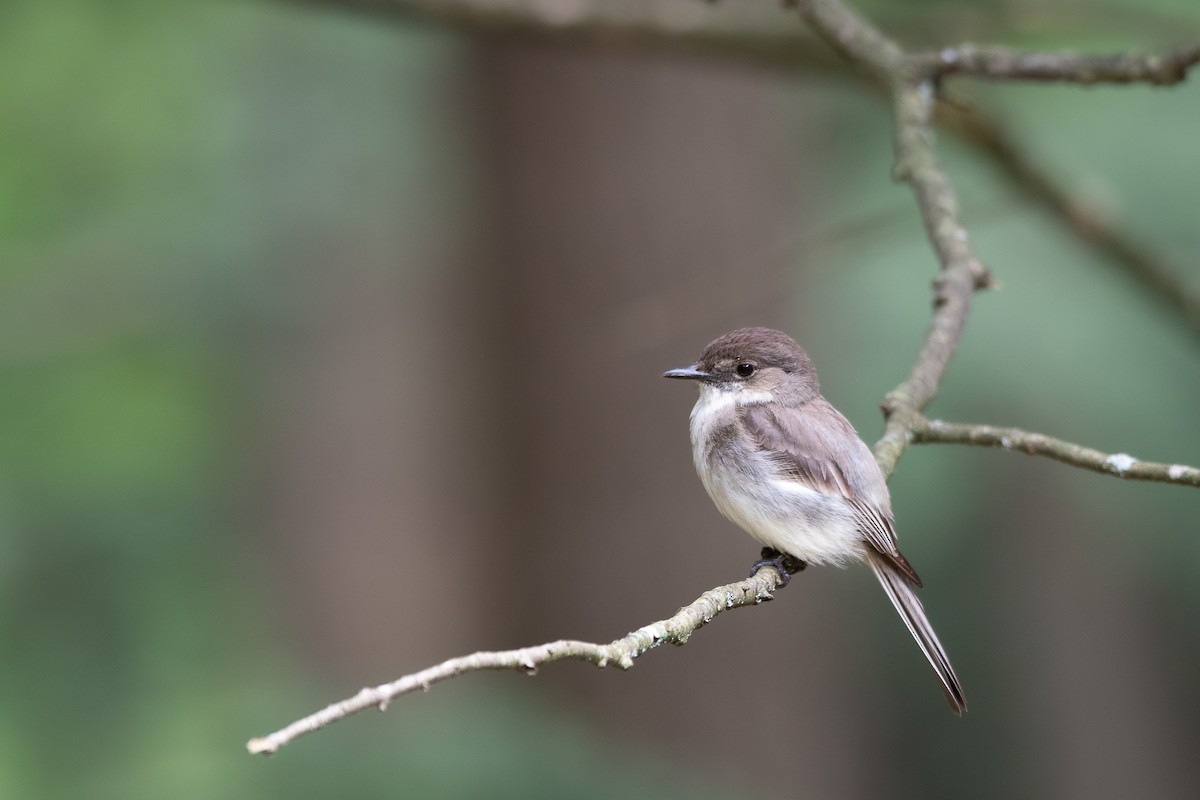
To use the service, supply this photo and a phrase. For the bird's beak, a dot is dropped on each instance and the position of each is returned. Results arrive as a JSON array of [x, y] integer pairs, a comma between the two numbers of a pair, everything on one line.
[[688, 373]]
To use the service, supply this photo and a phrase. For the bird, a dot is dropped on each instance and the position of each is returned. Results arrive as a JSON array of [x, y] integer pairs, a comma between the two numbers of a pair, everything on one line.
[[785, 466]]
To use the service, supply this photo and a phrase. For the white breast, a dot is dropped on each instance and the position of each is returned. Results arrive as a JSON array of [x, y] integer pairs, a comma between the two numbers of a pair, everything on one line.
[[775, 509]]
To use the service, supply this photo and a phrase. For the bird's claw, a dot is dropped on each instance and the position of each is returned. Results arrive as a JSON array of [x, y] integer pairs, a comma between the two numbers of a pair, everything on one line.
[[787, 565]]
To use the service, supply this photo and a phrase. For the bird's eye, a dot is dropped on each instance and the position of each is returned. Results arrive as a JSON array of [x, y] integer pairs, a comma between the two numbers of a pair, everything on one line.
[[745, 369]]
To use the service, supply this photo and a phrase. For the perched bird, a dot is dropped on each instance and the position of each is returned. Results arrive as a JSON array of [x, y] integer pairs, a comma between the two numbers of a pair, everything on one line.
[[783, 464]]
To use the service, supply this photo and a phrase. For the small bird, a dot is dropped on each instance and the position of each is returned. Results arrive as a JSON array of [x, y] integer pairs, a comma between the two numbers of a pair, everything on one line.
[[784, 465]]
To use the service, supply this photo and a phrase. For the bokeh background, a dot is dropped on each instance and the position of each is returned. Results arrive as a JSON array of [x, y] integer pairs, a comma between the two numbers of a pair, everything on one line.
[[330, 343]]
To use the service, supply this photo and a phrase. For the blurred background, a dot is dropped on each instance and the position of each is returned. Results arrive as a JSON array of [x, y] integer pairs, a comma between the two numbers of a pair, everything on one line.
[[330, 344]]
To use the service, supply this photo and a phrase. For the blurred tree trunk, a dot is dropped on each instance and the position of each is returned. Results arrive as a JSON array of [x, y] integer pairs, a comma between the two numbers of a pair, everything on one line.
[[639, 212]]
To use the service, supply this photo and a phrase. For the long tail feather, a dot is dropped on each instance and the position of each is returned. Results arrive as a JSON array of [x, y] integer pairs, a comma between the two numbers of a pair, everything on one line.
[[905, 600]]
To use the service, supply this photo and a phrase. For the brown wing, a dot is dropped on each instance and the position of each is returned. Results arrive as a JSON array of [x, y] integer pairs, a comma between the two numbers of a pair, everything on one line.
[[830, 458]]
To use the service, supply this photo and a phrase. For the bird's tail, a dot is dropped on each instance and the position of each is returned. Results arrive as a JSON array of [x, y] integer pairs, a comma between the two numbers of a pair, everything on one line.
[[905, 600]]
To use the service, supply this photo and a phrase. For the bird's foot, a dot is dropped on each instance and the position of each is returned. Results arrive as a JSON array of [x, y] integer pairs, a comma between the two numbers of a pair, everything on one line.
[[788, 565]]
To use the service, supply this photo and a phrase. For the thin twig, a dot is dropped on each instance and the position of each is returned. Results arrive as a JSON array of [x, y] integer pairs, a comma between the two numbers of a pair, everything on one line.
[[854, 37], [1004, 63], [676, 630], [1120, 465]]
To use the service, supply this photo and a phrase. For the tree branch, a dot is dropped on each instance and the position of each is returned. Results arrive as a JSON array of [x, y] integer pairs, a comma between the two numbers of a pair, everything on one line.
[[1119, 465], [854, 37], [912, 80], [962, 273], [676, 629], [1003, 63]]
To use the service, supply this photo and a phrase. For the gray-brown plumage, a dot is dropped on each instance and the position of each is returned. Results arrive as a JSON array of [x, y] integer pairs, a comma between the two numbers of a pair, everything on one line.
[[782, 463]]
